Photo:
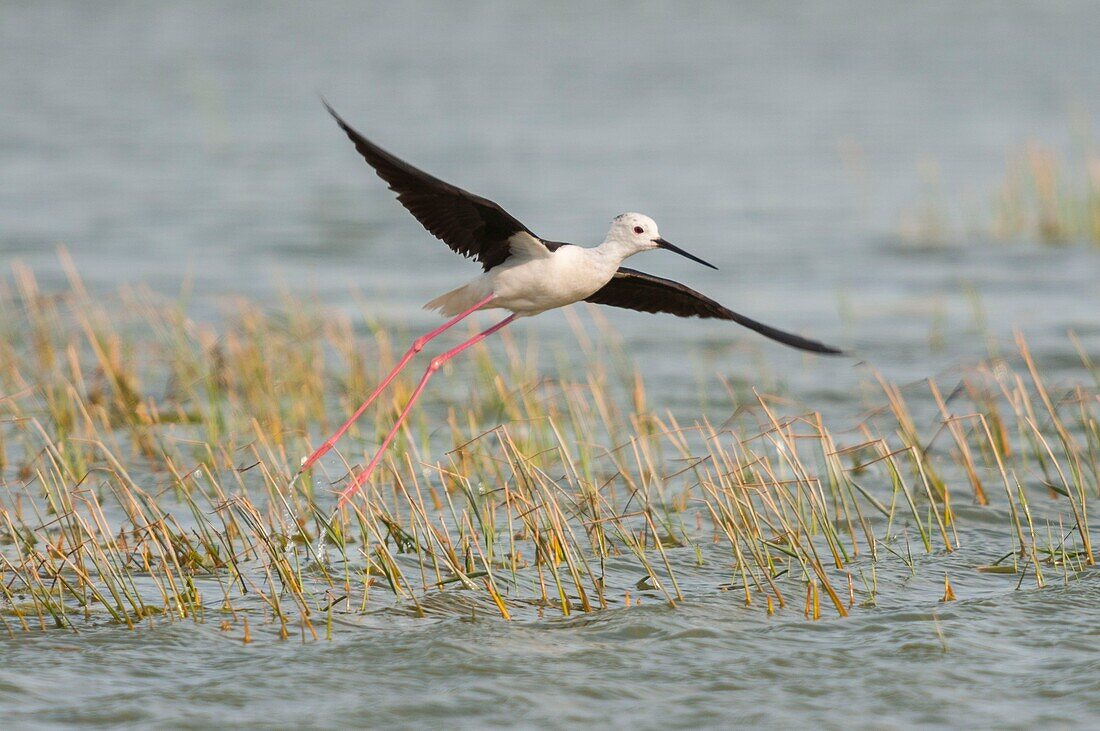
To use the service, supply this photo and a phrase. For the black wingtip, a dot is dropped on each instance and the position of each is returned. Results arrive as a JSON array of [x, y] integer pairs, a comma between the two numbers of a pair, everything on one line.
[[782, 336], [810, 346], [360, 142], [830, 350], [339, 120], [814, 346], [329, 109]]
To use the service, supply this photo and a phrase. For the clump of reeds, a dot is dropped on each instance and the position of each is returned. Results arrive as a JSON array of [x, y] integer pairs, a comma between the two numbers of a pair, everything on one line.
[[1043, 198], [146, 458]]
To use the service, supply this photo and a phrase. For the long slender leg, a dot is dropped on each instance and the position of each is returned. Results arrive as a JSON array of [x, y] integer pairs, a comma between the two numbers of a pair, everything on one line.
[[416, 347], [434, 366]]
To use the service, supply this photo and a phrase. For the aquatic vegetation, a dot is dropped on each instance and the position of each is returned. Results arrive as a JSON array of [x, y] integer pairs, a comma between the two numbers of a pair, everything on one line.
[[1043, 198], [146, 457]]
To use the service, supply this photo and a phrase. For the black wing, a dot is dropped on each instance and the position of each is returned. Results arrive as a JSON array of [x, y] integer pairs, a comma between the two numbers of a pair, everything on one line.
[[471, 225], [643, 292]]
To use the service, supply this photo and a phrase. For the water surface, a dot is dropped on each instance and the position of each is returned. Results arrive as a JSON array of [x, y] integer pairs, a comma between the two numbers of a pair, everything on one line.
[[183, 146]]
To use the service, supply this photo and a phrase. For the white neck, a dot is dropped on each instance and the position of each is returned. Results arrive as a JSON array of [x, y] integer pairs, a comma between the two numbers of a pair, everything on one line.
[[615, 249]]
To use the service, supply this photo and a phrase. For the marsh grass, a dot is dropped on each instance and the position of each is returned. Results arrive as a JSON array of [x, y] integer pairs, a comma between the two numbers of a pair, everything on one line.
[[146, 459], [1044, 197]]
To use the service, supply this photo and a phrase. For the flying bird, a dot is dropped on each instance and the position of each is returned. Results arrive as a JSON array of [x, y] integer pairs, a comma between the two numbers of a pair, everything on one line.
[[525, 275]]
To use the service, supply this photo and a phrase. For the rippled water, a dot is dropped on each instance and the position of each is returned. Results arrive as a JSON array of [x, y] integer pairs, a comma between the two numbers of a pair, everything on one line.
[[183, 146]]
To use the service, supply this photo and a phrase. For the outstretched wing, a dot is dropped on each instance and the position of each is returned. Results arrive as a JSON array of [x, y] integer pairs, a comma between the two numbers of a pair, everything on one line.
[[473, 226], [643, 292]]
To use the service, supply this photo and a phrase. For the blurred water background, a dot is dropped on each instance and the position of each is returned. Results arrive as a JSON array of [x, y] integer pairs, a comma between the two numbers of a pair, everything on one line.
[[183, 146]]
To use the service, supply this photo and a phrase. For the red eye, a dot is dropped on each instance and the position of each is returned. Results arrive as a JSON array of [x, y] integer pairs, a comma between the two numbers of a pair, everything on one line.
[[639, 230]]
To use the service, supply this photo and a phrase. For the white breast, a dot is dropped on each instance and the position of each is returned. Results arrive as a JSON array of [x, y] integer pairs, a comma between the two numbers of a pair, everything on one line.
[[528, 286]]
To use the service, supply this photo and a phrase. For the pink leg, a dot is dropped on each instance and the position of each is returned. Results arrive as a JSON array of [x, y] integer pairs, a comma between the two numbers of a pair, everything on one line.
[[417, 346], [434, 366]]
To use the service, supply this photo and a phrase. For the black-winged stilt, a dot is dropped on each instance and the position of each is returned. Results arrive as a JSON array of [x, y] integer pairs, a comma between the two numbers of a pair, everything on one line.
[[524, 274]]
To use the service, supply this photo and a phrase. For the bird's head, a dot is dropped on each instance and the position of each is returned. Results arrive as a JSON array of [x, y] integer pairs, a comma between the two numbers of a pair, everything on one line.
[[638, 232]]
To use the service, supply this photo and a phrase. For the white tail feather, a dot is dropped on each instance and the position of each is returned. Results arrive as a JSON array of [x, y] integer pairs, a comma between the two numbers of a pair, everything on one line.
[[457, 300]]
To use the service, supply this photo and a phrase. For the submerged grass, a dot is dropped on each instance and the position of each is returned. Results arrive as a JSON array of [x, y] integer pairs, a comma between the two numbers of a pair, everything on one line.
[[146, 458]]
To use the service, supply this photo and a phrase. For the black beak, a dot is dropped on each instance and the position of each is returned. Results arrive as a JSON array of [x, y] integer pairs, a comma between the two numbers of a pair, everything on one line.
[[662, 244]]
